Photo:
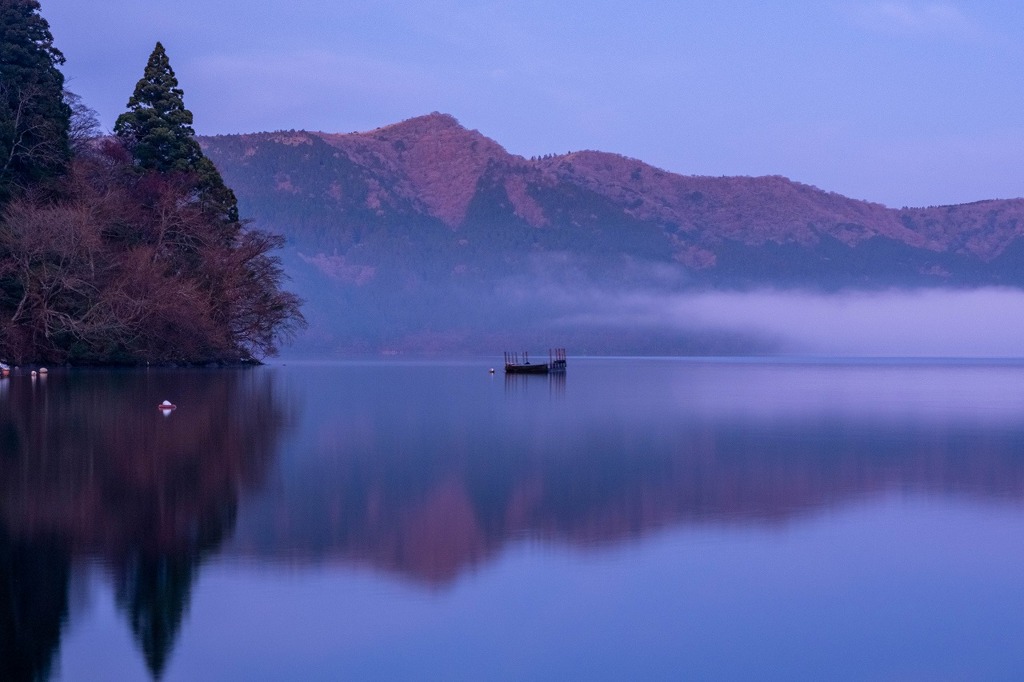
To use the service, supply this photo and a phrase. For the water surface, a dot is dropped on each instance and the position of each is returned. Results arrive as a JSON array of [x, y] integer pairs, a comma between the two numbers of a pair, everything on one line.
[[634, 519]]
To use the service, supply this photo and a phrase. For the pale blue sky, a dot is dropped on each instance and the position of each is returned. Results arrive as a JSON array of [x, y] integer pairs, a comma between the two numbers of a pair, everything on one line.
[[904, 102]]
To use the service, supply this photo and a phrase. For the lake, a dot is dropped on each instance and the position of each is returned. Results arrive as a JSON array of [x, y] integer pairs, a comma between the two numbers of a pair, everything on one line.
[[634, 519]]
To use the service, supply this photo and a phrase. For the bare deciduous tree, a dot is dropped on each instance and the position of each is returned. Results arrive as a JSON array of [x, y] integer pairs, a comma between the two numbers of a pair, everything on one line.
[[128, 268]]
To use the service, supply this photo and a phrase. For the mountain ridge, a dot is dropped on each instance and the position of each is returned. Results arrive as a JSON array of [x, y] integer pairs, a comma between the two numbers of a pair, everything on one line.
[[436, 165], [425, 219]]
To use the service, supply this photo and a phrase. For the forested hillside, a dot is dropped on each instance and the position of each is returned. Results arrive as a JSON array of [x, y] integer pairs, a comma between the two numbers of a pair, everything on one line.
[[425, 235], [125, 249]]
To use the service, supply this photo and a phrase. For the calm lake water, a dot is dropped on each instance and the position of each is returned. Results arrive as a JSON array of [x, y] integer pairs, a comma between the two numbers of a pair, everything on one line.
[[636, 519]]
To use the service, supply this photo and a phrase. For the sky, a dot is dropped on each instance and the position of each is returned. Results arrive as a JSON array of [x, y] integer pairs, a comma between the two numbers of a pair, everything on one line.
[[905, 103]]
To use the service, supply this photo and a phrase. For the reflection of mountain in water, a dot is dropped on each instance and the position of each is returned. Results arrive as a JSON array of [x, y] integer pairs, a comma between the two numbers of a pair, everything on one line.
[[90, 469], [429, 470], [418, 479]]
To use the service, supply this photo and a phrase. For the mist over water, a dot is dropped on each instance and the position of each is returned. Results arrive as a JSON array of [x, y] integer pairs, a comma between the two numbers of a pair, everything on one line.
[[635, 308], [913, 323]]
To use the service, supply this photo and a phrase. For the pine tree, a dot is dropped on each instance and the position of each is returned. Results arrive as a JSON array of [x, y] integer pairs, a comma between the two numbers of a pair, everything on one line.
[[157, 129], [34, 118]]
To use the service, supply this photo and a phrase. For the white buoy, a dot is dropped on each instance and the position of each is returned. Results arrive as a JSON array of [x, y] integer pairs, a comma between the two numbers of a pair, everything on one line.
[[33, 374], [166, 406], [43, 370]]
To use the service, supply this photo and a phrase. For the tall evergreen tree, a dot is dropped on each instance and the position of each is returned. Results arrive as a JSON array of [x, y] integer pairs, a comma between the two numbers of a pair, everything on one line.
[[34, 118], [112, 266], [157, 129]]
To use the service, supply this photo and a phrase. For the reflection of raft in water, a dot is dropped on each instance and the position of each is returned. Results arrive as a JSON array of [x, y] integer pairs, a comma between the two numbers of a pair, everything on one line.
[[555, 363]]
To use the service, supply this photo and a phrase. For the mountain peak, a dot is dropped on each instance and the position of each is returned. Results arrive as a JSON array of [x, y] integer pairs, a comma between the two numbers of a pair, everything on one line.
[[435, 126], [433, 120], [442, 160]]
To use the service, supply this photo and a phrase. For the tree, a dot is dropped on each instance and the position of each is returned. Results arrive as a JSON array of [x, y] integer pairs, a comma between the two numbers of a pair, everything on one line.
[[84, 129], [34, 117], [136, 253], [127, 268], [157, 129]]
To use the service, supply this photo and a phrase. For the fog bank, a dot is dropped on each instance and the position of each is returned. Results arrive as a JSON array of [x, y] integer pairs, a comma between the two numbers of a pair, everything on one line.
[[919, 323]]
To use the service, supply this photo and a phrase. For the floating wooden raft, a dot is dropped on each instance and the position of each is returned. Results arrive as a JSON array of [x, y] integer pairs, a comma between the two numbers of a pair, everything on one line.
[[555, 363]]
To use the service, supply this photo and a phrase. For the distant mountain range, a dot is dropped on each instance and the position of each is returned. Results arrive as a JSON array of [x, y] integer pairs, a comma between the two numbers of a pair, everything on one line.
[[424, 235]]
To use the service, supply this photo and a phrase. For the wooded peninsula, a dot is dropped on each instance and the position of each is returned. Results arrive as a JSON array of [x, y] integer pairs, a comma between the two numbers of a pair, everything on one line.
[[125, 248]]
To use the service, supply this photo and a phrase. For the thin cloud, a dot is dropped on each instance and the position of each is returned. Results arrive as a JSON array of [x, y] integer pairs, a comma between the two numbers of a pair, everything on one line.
[[915, 18], [310, 88]]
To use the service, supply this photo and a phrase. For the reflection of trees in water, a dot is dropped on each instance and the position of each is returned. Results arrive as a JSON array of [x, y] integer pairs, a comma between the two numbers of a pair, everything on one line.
[[155, 593], [154, 586], [34, 580], [91, 468]]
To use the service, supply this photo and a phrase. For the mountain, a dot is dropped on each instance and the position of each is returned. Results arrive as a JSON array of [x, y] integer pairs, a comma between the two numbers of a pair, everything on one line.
[[438, 497], [424, 235]]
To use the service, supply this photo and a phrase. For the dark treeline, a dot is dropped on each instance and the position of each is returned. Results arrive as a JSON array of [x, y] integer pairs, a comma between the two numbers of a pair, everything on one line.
[[120, 249], [151, 498]]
